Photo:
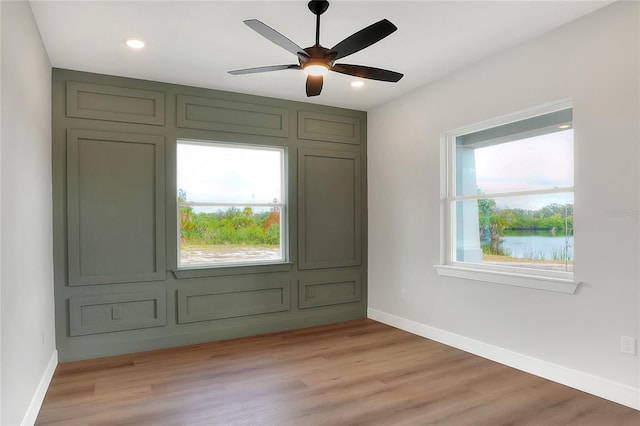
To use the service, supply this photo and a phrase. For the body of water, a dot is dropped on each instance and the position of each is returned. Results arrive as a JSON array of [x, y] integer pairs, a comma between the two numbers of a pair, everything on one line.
[[539, 246]]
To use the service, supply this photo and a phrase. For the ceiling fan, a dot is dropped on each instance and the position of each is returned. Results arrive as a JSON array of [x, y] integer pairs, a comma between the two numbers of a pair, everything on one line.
[[317, 60]]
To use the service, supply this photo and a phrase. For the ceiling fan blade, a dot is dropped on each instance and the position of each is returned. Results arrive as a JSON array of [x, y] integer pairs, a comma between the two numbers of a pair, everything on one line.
[[265, 69], [314, 85], [367, 72], [363, 38], [274, 36]]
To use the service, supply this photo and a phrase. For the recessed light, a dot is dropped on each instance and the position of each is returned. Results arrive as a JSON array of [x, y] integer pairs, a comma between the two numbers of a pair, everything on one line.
[[357, 83], [135, 43], [564, 126]]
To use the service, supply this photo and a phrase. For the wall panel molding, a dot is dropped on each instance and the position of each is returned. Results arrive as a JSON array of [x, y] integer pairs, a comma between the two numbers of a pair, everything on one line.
[[258, 297], [315, 291], [196, 112], [109, 103], [329, 210], [115, 216], [328, 128], [117, 312], [115, 207]]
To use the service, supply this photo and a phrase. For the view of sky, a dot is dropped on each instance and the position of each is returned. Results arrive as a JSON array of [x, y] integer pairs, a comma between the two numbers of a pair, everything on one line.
[[224, 173], [219, 173], [535, 163]]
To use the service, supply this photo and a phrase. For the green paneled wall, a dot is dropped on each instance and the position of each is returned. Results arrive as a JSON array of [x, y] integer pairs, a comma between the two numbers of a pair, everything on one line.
[[115, 233]]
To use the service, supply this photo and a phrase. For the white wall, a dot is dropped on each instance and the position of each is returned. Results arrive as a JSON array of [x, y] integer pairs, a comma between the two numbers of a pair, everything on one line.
[[26, 277], [594, 60]]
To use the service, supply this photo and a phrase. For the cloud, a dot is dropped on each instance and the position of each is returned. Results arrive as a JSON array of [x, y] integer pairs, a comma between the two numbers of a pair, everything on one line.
[[218, 173], [535, 163]]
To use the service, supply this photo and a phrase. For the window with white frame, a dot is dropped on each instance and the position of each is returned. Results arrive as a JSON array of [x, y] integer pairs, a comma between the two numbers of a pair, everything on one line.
[[231, 204], [510, 194]]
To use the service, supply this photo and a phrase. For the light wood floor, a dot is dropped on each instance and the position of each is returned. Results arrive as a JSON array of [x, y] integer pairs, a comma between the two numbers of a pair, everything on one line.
[[356, 372]]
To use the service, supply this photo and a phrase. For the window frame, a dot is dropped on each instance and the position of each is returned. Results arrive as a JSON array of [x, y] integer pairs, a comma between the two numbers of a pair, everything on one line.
[[556, 281], [237, 268]]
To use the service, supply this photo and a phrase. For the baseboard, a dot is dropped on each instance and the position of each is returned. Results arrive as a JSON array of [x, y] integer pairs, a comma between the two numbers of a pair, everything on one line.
[[594, 385], [36, 402]]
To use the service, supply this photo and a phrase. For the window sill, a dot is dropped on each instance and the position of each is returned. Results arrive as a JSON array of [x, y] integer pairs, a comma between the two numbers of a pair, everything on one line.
[[231, 270], [559, 285]]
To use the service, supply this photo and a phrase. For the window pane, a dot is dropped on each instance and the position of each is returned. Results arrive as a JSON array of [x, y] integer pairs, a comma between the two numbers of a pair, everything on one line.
[[534, 231], [240, 211], [217, 173], [231, 235], [539, 162]]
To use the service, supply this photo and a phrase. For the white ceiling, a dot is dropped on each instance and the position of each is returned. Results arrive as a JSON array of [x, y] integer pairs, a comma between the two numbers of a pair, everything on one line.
[[196, 42]]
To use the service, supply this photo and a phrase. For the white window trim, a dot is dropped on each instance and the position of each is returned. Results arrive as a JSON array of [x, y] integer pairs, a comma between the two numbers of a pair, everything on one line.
[[200, 270], [561, 282]]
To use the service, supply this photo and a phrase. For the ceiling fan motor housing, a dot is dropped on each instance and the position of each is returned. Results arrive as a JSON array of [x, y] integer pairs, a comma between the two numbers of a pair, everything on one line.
[[317, 55]]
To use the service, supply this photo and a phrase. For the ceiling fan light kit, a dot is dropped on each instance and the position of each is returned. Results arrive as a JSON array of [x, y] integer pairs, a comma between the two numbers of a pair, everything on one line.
[[317, 60], [316, 69]]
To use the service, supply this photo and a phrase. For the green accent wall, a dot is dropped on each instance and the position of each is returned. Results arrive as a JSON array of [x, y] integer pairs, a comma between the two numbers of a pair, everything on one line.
[[117, 289]]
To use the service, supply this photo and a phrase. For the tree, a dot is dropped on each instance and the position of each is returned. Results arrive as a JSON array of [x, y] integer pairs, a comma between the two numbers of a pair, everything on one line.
[[485, 210], [186, 216], [494, 221], [272, 219]]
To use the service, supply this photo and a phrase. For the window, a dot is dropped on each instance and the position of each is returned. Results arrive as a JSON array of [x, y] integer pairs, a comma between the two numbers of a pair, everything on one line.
[[231, 204], [509, 198]]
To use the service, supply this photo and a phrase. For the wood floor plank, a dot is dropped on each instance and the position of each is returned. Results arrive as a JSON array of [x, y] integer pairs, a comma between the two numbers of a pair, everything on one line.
[[355, 372]]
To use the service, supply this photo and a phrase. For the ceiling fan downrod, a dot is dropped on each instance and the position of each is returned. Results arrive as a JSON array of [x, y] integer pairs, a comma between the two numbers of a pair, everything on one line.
[[318, 7]]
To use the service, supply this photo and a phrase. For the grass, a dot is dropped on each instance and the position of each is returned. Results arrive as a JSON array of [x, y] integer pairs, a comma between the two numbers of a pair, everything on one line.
[[499, 258]]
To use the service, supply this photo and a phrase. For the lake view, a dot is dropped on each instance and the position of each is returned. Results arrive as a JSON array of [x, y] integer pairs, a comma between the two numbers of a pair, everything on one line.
[[537, 245]]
